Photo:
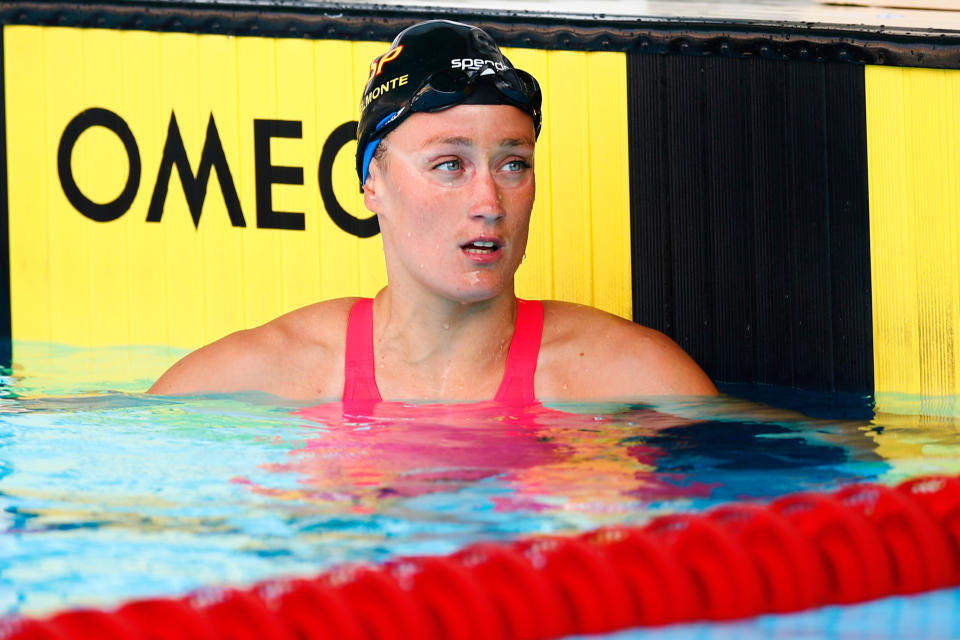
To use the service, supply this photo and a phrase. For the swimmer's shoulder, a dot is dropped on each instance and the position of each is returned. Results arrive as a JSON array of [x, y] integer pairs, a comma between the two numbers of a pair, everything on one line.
[[297, 355], [587, 354]]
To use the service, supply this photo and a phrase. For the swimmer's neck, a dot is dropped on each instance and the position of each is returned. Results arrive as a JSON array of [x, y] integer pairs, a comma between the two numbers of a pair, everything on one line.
[[432, 328]]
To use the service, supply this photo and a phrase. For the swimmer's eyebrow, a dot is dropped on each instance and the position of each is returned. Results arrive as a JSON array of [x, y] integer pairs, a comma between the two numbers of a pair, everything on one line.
[[516, 142], [460, 141]]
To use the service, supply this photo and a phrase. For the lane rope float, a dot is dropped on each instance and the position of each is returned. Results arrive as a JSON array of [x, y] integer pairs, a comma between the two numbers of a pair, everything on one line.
[[803, 550]]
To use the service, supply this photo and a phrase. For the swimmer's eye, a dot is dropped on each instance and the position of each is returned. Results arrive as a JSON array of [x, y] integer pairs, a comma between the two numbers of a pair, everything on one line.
[[449, 165], [516, 165]]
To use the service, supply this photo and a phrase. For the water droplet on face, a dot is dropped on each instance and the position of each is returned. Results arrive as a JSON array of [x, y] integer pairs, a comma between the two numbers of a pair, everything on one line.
[[409, 234], [446, 326]]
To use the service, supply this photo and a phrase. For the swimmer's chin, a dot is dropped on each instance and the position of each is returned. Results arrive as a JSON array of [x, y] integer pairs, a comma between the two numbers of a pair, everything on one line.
[[478, 286]]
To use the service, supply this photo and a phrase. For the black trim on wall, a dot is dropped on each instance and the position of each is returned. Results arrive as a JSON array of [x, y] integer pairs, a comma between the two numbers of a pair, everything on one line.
[[745, 39], [6, 350], [749, 213]]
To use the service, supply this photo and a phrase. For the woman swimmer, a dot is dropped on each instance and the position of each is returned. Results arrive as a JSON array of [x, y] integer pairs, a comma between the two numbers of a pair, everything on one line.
[[445, 156]]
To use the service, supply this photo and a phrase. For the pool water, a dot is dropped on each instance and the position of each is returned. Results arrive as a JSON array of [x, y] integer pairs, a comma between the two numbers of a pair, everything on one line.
[[108, 494]]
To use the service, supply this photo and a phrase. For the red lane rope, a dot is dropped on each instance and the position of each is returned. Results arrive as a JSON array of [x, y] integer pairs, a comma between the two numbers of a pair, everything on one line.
[[803, 550]]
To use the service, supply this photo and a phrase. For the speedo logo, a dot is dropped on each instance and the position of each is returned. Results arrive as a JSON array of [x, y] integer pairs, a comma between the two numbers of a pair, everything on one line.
[[475, 63]]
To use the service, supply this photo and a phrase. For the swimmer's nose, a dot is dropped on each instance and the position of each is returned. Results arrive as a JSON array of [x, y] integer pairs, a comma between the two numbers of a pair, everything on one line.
[[485, 197]]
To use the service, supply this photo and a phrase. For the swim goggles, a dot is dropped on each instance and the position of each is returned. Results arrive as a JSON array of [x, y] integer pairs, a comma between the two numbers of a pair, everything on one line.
[[449, 87]]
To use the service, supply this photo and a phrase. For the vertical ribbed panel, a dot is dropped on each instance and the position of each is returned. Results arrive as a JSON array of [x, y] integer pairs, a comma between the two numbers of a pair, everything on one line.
[[726, 178], [769, 296], [846, 150], [649, 234], [5, 347], [221, 254], [606, 121], [749, 210], [569, 179], [180, 281], [148, 293], [686, 184], [914, 147], [808, 183], [579, 247], [30, 244]]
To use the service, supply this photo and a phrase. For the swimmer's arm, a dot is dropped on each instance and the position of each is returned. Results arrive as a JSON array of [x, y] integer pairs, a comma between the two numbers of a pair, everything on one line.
[[682, 391], [593, 355], [228, 365], [651, 363], [298, 355]]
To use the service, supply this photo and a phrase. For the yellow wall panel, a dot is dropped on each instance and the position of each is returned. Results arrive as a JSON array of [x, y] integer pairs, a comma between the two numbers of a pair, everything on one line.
[[256, 98], [106, 170], [30, 228], [579, 248], [535, 277], [913, 128], [370, 268], [299, 276], [347, 266], [180, 89], [171, 281], [147, 296], [222, 249], [609, 184], [569, 177], [69, 241], [339, 260]]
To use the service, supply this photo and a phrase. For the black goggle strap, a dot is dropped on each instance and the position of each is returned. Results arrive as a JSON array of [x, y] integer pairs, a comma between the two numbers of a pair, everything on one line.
[[519, 86], [451, 86], [454, 86]]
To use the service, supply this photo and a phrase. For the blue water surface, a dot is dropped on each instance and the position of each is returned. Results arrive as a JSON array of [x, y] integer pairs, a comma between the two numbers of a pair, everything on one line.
[[108, 494]]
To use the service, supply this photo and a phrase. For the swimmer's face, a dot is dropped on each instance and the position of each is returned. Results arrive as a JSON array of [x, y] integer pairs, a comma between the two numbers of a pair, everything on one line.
[[453, 194]]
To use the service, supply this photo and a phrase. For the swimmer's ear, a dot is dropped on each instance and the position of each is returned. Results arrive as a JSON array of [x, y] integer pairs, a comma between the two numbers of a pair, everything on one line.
[[370, 194]]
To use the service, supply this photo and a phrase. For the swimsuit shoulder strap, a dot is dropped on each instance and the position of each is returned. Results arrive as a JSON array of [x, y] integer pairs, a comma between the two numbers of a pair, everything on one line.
[[517, 384], [360, 383]]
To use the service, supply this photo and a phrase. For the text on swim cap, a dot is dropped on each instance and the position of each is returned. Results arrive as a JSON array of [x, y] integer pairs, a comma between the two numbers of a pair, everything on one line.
[[382, 88], [376, 67], [476, 63]]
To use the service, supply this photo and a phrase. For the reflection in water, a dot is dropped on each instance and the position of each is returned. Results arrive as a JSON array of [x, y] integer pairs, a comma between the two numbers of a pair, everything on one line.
[[104, 497], [545, 459]]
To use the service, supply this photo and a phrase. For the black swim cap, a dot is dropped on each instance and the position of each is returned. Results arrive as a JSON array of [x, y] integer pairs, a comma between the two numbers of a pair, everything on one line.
[[434, 65]]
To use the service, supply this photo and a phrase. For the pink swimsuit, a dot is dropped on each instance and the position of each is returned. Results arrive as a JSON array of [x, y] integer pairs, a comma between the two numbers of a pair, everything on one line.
[[360, 384]]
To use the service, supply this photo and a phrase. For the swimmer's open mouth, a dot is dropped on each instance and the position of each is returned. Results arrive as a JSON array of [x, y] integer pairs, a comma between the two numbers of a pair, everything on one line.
[[481, 246]]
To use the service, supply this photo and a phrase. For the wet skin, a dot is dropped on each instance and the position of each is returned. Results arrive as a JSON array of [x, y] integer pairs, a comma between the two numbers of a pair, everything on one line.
[[453, 191], [454, 194]]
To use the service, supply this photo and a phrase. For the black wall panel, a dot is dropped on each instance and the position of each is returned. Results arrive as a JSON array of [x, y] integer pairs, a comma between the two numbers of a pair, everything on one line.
[[6, 348], [750, 216]]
